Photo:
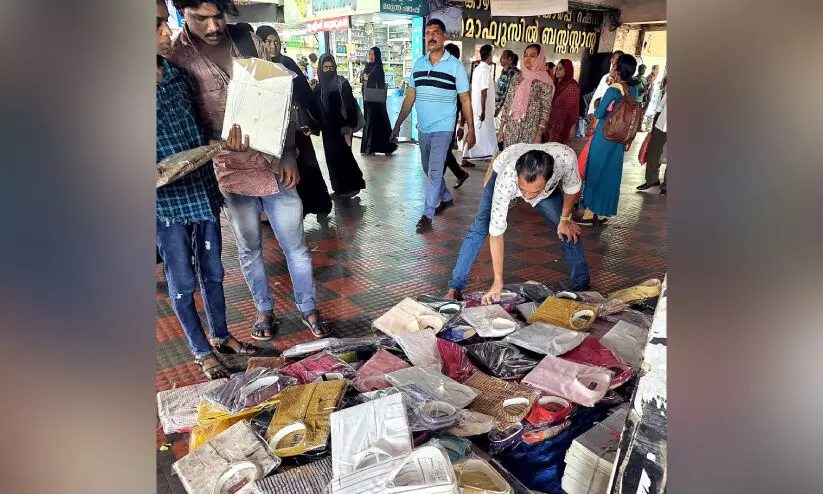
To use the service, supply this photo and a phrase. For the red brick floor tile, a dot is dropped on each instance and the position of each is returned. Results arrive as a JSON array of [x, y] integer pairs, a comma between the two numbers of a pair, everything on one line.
[[318, 260], [339, 309], [363, 266], [350, 286]]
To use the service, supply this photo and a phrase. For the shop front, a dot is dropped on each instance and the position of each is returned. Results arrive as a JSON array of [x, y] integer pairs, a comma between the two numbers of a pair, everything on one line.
[[351, 29], [573, 34]]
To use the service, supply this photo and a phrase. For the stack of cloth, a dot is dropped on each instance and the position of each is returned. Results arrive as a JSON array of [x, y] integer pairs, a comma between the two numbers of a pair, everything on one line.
[[590, 459]]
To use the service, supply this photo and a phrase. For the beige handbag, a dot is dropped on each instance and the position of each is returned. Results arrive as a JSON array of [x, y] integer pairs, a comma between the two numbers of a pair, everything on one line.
[[407, 317], [182, 163]]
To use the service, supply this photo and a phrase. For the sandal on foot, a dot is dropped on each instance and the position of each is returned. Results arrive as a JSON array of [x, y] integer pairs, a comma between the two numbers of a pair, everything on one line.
[[319, 327], [264, 327], [245, 348], [214, 371]]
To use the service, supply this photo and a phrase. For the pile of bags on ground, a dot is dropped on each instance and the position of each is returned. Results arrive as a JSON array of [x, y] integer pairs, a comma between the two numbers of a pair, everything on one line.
[[446, 397]]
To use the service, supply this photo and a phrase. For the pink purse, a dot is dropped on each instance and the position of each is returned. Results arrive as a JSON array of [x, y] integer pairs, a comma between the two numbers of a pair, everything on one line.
[[592, 352], [578, 383]]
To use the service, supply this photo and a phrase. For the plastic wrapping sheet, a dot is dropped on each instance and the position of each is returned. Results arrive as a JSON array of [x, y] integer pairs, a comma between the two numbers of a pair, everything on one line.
[[409, 316], [549, 410], [275, 363], [312, 478], [604, 306], [372, 375], [592, 352], [565, 313], [501, 359], [490, 321], [319, 366], [309, 348], [632, 317], [364, 344], [646, 290], [447, 308], [228, 463], [508, 299], [248, 389], [456, 363], [513, 481], [301, 423], [505, 402], [361, 435], [177, 408], [261, 421], [578, 383], [433, 384], [476, 476], [546, 339], [421, 349], [628, 342], [208, 413]]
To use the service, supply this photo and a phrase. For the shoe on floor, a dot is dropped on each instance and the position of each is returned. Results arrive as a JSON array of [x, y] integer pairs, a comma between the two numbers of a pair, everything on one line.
[[424, 225], [454, 294], [644, 186], [467, 164], [587, 219], [444, 205], [461, 180]]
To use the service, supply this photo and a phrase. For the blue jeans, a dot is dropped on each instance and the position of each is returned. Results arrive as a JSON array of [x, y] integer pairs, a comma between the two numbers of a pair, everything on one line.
[[285, 213], [433, 149], [551, 208], [178, 243]]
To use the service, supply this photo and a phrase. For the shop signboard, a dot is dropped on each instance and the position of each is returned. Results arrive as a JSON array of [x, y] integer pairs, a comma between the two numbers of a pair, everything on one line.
[[300, 11], [407, 7], [574, 31], [332, 24]]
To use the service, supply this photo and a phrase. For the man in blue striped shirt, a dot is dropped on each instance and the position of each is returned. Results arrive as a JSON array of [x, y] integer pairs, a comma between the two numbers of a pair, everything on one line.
[[436, 82]]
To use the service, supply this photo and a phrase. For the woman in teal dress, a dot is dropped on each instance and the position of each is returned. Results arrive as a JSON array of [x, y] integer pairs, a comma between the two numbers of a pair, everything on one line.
[[604, 168]]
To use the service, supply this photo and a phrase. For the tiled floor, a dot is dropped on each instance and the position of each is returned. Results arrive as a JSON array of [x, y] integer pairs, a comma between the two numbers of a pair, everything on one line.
[[367, 257]]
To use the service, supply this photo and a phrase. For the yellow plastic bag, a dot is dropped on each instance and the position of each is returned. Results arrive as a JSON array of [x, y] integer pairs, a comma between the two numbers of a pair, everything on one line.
[[208, 414], [643, 291], [565, 313], [202, 433]]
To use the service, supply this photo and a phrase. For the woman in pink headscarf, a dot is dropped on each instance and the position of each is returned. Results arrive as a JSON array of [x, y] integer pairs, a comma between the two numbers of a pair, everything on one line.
[[565, 105], [528, 101]]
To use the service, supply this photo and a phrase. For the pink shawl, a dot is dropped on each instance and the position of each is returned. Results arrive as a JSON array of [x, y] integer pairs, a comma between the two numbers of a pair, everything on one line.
[[521, 97]]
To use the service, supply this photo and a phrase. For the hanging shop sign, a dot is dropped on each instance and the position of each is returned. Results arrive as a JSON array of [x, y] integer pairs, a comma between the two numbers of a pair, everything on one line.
[[299, 11], [333, 24], [407, 7], [574, 31], [528, 7]]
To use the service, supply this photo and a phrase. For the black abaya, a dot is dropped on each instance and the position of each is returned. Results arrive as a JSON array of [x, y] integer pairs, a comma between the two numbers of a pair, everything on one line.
[[344, 171], [377, 132]]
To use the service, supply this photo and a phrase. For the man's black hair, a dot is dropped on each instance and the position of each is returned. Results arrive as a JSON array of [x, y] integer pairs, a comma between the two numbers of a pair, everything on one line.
[[438, 23], [224, 6], [551, 65], [453, 50], [486, 52], [618, 52], [313, 57], [533, 164], [245, 25], [626, 66]]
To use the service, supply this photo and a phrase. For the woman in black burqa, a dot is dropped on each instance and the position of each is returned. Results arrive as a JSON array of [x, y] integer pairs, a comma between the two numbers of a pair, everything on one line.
[[340, 115], [377, 132], [312, 186]]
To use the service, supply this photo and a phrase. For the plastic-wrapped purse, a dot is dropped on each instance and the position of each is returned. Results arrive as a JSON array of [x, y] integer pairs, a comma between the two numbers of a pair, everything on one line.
[[409, 316], [506, 402], [301, 423], [228, 463], [646, 290], [592, 352], [501, 360], [531, 291], [565, 313], [319, 366], [490, 321], [434, 384], [627, 341], [312, 478], [373, 373], [456, 363], [309, 348], [546, 339], [177, 408], [549, 410], [476, 476], [421, 349], [508, 299], [578, 383]]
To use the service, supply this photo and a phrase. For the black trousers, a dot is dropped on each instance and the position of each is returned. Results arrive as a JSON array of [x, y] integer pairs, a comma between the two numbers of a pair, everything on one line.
[[653, 155]]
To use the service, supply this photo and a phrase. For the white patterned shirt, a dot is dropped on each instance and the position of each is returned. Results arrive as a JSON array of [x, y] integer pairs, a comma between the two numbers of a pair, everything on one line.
[[506, 187]]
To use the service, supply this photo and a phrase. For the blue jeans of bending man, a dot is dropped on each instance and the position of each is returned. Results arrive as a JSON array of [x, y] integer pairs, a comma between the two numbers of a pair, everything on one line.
[[178, 244], [433, 149], [551, 208], [285, 213]]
